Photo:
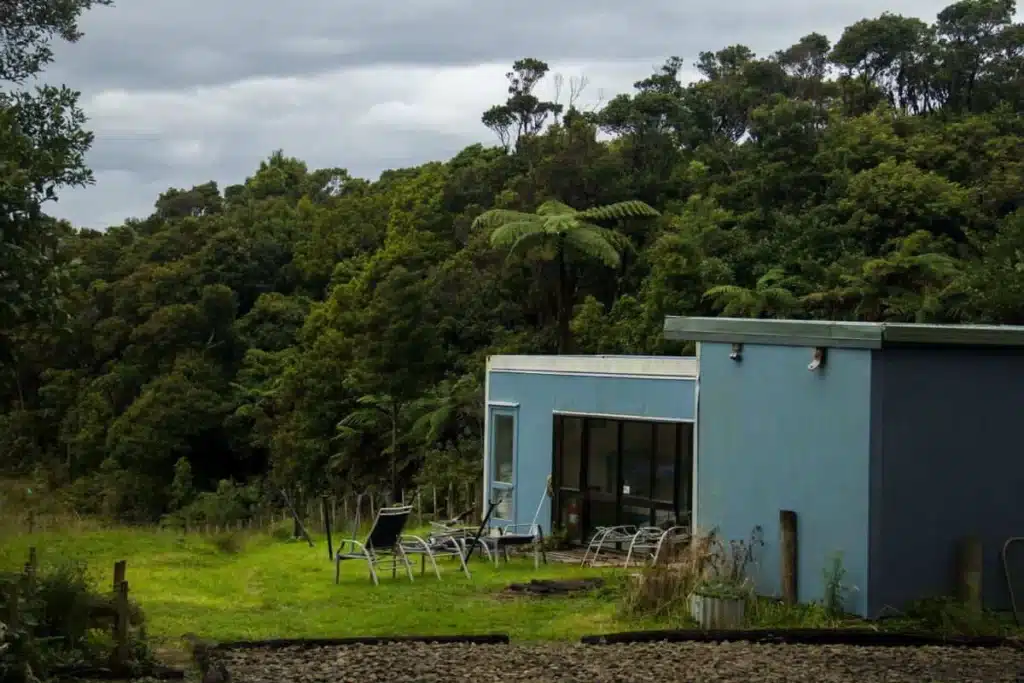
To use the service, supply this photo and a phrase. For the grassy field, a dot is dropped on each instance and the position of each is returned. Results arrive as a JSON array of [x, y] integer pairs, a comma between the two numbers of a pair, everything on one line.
[[284, 589]]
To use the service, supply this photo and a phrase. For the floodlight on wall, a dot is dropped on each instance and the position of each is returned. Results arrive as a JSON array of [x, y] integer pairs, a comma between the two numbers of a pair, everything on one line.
[[737, 353], [817, 359]]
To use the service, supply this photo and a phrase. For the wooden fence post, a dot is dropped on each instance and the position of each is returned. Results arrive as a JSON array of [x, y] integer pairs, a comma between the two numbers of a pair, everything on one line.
[[789, 553], [120, 568], [122, 653], [433, 508], [31, 568], [327, 528]]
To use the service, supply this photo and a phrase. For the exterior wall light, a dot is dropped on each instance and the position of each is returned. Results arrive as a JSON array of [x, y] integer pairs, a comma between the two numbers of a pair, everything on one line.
[[737, 353], [817, 358]]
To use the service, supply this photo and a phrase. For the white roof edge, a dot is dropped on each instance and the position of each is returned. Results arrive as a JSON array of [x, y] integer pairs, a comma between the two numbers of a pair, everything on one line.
[[650, 366]]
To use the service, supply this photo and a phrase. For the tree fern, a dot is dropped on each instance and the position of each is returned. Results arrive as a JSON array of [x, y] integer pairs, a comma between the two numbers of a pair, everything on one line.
[[561, 233]]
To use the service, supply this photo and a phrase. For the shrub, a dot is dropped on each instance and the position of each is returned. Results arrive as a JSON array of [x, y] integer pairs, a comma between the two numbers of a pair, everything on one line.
[[59, 617], [665, 588], [229, 542], [230, 504], [704, 565]]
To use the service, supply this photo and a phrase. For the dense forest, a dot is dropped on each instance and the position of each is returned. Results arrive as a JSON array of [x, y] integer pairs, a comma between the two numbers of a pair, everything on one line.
[[305, 327]]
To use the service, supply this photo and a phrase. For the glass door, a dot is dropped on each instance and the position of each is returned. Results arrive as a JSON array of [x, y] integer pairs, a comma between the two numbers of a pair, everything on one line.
[[503, 463], [568, 469], [638, 473], [601, 472]]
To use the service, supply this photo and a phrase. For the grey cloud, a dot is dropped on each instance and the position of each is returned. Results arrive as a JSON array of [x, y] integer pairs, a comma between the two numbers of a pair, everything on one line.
[[183, 43], [179, 46]]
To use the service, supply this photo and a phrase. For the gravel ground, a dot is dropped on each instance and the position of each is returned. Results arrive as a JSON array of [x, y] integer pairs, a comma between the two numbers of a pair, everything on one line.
[[719, 663]]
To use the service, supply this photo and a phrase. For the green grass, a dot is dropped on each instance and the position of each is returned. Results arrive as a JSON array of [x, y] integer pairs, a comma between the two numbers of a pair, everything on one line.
[[285, 589]]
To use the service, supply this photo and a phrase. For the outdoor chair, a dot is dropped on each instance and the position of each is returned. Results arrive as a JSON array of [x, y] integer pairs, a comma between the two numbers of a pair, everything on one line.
[[463, 535], [499, 539], [433, 546], [382, 547], [605, 536], [649, 541], [517, 535]]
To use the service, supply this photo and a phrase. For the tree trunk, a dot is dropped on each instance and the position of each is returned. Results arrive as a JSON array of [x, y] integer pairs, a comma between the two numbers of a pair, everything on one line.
[[564, 304]]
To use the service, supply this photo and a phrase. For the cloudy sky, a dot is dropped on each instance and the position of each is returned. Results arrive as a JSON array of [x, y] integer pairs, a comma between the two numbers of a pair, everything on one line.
[[184, 91]]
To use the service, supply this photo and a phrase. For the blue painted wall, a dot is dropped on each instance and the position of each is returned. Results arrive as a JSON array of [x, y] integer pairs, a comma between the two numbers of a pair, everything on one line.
[[541, 395], [946, 464], [774, 436]]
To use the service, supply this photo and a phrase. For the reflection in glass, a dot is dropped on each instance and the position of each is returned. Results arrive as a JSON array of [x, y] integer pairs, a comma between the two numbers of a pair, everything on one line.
[[637, 453], [602, 448], [503, 510], [665, 462], [570, 452], [502, 448]]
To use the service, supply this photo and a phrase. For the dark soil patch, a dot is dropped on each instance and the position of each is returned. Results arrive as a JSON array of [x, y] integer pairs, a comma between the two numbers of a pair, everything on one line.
[[545, 587]]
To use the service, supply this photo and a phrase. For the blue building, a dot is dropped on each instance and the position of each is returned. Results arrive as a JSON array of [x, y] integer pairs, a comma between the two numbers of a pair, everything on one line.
[[891, 442], [614, 433]]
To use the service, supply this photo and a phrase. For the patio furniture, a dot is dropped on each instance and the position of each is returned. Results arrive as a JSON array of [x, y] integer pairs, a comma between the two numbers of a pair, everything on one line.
[[465, 536], [649, 541], [433, 546], [382, 547], [605, 536], [500, 538]]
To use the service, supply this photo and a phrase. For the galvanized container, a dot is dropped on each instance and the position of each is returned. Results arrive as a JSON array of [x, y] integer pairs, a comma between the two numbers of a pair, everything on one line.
[[718, 613]]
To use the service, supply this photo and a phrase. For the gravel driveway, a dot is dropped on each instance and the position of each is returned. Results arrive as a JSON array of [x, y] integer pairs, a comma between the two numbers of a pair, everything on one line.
[[725, 662]]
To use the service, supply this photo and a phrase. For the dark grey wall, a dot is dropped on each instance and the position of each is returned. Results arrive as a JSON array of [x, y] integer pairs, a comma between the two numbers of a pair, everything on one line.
[[946, 462]]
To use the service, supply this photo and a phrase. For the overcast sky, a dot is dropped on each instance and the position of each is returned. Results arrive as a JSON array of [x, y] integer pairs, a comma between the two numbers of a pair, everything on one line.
[[183, 91]]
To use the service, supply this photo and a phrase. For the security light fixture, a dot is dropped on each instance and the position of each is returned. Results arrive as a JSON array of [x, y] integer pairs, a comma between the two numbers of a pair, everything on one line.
[[737, 353], [817, 359]]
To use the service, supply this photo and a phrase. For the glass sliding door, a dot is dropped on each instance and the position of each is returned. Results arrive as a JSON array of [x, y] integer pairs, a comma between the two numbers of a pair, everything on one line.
[[618, 471], [601, 472], [637, 479], [568, 468]]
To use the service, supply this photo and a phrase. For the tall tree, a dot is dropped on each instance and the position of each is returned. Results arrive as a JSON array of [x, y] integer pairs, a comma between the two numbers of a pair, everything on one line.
[[42, 149], [564, 235]]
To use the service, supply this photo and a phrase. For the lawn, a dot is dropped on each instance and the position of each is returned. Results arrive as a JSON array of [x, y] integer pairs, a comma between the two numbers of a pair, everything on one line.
[[284, 589]]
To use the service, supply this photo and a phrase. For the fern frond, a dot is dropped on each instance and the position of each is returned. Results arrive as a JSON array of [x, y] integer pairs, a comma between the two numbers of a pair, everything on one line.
[[553, 207], [529, 240], [594, 245], [633, 208], [496, 217], [506, 236]]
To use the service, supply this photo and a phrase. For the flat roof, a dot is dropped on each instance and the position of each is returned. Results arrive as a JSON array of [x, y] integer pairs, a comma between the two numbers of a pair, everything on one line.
[[636, 366], [839, 334]]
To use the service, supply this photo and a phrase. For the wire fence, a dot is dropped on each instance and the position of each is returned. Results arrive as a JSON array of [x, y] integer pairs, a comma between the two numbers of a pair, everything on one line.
[[345, 513]]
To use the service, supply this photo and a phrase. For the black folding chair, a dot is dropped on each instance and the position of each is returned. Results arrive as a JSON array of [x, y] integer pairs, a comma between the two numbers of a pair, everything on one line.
[[508, 536], [382, 548]]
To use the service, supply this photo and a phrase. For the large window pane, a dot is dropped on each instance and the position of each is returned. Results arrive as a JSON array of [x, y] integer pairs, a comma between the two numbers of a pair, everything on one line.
[[502, 447], [637, 456], [665, 462], [570, 452], [602, 448]]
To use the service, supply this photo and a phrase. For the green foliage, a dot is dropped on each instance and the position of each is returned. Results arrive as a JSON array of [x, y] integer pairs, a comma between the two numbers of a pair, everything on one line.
[[306, 329], [62, 622], [836, 590]]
